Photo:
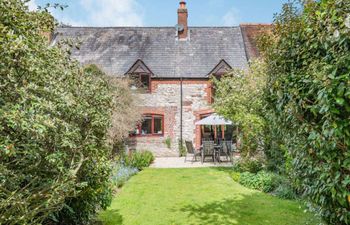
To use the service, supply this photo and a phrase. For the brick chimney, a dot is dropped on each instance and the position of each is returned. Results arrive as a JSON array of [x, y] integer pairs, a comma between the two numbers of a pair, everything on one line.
[[182, 19]]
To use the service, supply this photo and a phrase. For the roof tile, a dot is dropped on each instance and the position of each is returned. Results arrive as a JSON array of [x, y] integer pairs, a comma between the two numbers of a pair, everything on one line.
[[116, 49]]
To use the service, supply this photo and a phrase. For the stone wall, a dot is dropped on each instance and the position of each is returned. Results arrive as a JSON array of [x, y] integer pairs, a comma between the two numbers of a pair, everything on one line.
[[165, 99]]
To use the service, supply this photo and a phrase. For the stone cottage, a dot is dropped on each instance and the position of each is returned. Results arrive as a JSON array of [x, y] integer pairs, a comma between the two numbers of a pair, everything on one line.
[[171, 69]]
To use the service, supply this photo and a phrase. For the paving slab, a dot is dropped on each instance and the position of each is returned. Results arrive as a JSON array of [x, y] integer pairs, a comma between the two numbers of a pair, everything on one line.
[[179, 162]]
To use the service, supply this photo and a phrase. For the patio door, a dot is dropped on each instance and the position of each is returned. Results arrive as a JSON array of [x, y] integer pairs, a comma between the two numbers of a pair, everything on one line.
[[207, 131]]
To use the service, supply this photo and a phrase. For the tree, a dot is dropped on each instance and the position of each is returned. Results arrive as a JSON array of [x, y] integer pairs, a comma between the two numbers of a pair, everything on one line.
[[308, 92], [239, 97], [54, 122]]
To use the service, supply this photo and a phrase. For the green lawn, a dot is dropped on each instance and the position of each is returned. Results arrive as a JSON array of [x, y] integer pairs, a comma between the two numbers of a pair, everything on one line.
[[198, 196]]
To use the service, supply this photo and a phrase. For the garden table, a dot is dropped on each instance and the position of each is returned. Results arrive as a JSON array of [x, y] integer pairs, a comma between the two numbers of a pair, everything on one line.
[[217, 150]]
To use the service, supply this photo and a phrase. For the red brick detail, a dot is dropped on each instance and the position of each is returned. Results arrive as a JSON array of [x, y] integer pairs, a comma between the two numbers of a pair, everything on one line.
[[210, 92], [197, 131], [187, 103], [182, 13]]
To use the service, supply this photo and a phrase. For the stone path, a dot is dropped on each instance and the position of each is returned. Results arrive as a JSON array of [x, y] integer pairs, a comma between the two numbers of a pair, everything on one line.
[[177, 162]]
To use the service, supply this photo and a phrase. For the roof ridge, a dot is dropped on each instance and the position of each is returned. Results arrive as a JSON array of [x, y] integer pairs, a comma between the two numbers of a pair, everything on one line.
[[255, 24], [133, 27]]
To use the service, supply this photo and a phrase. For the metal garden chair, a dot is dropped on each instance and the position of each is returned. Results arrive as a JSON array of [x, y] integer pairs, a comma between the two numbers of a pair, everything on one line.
[[191, 150], [227, 149], [208, 150]]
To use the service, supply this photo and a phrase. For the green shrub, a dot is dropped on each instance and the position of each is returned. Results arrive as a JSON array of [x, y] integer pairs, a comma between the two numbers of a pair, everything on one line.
[[54, 122], [261, 181], [308, 93], [182, 149], [139, 160], [168, 142], [267, 182], [248, 165], [249, 180], [285, 191]]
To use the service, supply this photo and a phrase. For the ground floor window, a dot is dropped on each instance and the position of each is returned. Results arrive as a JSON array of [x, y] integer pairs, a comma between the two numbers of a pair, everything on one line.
[[152, 124]]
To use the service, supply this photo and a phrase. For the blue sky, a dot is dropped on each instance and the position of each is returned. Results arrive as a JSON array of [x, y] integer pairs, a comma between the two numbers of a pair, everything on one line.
[[163, 12]]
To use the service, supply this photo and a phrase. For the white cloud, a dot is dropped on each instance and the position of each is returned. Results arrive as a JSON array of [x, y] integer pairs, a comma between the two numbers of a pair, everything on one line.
[[113, 12], [99, 13], [32, 5], [64, 18], [231, 18], [69, 21]]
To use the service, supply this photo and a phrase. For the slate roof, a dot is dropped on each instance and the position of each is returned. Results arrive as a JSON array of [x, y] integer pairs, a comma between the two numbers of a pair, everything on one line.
[[116, 49]]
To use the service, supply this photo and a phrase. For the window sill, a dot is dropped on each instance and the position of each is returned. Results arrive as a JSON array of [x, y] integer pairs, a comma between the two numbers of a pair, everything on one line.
[[141, 91]]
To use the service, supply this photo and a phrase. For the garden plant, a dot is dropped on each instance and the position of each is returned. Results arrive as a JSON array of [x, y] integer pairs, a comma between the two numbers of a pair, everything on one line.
[[308, 98], [58, 121]]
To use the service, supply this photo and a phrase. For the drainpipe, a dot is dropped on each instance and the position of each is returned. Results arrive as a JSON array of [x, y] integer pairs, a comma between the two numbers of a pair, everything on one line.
[[181, 107]]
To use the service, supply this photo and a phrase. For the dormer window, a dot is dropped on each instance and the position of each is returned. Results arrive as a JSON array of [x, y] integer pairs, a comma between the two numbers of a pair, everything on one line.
[[140, 76], [140, 81], [220, 69]]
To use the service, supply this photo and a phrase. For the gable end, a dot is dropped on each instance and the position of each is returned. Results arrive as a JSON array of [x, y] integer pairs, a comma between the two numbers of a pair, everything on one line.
[[139, 67], [221, 68]]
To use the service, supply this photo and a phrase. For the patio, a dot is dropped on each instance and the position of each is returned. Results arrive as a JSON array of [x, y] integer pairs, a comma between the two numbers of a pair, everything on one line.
[[215, 145], [179, 162]]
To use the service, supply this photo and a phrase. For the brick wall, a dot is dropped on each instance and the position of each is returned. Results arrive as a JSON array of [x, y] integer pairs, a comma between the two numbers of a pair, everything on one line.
[[165, 99], [198, 114]]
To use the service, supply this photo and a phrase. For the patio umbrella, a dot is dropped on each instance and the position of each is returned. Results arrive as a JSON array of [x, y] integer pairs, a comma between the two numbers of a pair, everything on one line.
[[214, 120]]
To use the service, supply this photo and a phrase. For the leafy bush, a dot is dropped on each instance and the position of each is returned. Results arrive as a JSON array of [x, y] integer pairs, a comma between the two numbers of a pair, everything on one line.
[[54, 117], [168, 142], [139, 160], [267, 182], [248, 165], [261, 181], [182, 149], [122, 173], [239, 97], [308, 93], [285, 191], [249, 180]]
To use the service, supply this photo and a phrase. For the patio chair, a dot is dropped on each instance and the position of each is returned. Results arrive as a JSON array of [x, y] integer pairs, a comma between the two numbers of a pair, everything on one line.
[[219, 141], [227, 149], [208, 150], [191, 150], [235, 149]]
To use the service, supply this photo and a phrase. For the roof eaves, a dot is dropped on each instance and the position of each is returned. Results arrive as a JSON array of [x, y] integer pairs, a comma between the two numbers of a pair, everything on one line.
[[139, 62]]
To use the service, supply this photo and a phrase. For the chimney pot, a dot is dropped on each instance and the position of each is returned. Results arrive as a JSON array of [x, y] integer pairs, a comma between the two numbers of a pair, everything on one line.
[[182, 5]]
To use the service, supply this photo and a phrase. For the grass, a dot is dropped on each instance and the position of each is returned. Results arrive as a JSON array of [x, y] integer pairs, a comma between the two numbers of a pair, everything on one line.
[[203, 196]]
